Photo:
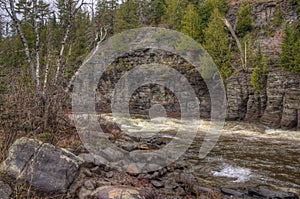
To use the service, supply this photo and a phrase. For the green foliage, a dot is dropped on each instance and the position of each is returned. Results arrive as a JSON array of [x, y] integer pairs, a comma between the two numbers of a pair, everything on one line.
[[244, 19], [78, 48], [127, 16], [190, 24], [205, 10], [45, 137], [278, 17], [174, 12], [217, 43], [290, 50], [158, 9], [105, 14], [259, 74]]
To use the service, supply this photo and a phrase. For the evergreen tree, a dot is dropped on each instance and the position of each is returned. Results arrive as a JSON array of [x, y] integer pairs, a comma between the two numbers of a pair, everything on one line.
[[296, 55], [286, 56], [105, 14], [127, 16], [259, 74], [217, 43], [205, 10], [174, 13], [79, 46], [278, 17], [190, 23], [158, 9], [244, 19]]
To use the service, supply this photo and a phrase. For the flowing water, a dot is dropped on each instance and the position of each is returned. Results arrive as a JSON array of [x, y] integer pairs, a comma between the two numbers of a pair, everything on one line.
[[245, 155]]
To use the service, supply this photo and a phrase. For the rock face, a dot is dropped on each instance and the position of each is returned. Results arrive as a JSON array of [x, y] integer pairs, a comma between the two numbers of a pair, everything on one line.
[[147, 95], [46, 167], [268, 36], [238, 91], [278, 106]]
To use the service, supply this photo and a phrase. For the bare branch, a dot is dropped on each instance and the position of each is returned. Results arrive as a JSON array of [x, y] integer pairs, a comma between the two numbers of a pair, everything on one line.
[[100, 37]]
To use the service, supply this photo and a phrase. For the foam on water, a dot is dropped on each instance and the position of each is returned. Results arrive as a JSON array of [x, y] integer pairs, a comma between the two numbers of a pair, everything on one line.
[[238, 173], [161, 124]]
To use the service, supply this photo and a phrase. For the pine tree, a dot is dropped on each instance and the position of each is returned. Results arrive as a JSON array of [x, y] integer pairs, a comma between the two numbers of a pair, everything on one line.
[[278, 17], [127, 16], [158, 9], [174, 13], [217, 43], [296, 55], [105, 14], [190, 23], [287, 55], [80, 40], [205, 10], [259, 74], [244, 19]]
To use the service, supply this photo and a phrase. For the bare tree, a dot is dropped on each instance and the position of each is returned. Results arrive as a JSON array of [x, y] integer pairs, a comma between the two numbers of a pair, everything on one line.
[[9, 7], [75, 7], [100, 37], [232, 31]]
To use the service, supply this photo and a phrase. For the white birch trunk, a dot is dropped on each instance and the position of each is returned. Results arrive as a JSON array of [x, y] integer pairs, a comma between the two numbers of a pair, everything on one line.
[[37, 45]]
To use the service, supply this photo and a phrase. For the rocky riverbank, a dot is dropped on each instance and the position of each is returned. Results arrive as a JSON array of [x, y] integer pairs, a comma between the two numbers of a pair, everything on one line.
[[52, 172]]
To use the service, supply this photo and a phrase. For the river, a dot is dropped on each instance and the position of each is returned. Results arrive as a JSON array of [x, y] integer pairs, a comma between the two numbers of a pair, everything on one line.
[[245, 155]]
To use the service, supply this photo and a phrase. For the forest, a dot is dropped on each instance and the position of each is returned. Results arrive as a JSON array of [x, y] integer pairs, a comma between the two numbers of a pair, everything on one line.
[[43, 43]]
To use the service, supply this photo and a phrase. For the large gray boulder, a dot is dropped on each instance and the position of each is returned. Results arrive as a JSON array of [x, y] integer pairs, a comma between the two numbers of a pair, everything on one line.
[[48, 168]]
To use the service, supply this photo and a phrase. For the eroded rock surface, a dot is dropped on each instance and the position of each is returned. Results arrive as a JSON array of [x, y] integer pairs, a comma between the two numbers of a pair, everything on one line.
[[46, 167], [277, 106]]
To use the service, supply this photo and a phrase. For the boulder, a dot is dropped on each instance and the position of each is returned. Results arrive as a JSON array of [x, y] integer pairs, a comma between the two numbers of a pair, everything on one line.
[[48, 168], [265, 193], [232, 192], [111, 192], [5, 190]]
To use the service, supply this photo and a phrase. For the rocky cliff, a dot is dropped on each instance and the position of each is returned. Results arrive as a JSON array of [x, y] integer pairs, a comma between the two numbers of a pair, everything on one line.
[[150, 94], [277, 106], [266, 34]]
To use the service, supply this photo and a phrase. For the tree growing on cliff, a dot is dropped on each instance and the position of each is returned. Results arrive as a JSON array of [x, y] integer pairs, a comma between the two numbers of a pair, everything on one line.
[[244, 20], [205, 10], [217, 43], [259, 74], [278, 17], [290, 50]]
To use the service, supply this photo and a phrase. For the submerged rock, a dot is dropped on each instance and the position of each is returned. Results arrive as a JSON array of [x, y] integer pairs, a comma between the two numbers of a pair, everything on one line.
[[46, 167]]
